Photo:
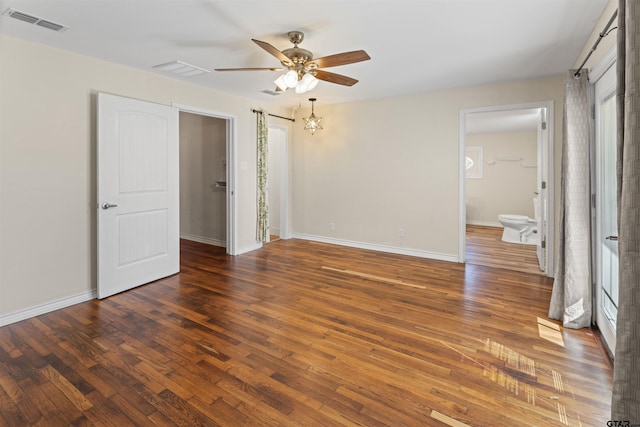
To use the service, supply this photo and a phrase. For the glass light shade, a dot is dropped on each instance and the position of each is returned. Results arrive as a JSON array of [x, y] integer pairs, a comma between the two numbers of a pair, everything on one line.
[[306, 83], [280, 82], [312, 123], [291, 78], [313, 82]]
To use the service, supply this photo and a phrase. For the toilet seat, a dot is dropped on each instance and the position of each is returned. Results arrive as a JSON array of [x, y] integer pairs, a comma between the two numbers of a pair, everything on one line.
[[521, 228], [518, 229]]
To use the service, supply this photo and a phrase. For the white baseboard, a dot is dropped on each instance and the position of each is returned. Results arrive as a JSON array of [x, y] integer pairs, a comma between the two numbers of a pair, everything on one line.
[[376, 247], [248, 249], [215, 242], [205, 240], [37, 310], [484, 223]]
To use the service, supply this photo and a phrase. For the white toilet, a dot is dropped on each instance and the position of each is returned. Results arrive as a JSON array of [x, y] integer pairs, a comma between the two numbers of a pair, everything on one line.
[[521, 228]]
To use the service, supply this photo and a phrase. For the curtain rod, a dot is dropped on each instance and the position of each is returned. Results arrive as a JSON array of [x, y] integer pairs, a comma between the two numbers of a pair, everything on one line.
[[272, 115], [605, 32]]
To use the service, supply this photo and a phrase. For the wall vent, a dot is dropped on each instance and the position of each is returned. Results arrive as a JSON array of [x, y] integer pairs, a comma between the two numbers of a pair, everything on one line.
[[31, 19]]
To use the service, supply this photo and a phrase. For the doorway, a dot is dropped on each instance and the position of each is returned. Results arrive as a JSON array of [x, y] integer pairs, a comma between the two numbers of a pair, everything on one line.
[[203, 179], [505, 168], [278, 182], [207, 177]]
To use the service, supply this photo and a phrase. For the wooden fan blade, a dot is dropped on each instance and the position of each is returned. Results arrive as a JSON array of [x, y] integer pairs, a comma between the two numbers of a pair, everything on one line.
[[335, 78], [249, 69], [273, 51], [340, 59]]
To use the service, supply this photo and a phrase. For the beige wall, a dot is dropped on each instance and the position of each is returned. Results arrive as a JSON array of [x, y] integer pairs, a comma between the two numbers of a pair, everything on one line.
[[203, 152], [48, 166], [506, 187], [392, 163]]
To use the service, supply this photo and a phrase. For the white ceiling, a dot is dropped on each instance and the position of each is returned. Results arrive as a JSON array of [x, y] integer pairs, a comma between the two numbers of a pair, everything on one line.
[[415, 46]]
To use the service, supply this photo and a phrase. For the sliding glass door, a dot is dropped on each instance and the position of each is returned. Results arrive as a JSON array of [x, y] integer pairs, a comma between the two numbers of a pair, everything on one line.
[[606, 239]]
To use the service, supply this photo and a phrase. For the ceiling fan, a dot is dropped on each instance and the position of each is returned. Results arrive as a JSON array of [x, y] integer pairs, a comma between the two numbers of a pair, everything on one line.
[[302, 71]]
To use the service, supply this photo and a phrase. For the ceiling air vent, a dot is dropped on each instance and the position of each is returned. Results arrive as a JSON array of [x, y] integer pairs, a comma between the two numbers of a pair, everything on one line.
[[51, 25], [181, 68], [271, 92], [25, 17]]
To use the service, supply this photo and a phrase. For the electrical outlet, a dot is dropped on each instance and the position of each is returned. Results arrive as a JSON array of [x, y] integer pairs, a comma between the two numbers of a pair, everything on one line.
[[332, 226], [400, 232]]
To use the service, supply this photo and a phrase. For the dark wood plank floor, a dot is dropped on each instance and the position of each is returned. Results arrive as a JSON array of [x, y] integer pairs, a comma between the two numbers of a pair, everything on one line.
[[484, 246], [301, 333]]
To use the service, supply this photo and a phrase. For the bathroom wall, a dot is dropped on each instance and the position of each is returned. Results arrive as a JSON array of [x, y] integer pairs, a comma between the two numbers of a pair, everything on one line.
[[505, 186], [203, 215]]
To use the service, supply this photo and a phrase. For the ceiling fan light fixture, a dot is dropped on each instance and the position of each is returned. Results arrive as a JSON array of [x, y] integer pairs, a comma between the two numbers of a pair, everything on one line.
[[291, 78], [306, 83], [280, 82], [299, 65]]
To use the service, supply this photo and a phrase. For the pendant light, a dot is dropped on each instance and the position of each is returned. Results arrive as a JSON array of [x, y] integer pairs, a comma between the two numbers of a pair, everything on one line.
[[312, 123]]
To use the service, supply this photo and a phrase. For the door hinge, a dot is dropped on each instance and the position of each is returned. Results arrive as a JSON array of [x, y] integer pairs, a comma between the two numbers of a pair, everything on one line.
[[593, 111], [543, 184], [543, 244], [544, 125], [593, 201]]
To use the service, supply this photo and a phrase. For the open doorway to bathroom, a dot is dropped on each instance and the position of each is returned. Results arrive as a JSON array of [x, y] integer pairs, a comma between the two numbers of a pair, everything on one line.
[[505, 187]]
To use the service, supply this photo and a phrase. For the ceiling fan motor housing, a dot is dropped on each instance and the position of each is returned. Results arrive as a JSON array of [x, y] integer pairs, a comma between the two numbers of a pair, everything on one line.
[[296, 37], [299, 57]]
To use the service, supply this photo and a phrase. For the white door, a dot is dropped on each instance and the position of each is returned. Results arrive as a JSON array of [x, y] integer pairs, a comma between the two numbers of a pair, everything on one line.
[[542, 190], [606, 207], [138, 193]]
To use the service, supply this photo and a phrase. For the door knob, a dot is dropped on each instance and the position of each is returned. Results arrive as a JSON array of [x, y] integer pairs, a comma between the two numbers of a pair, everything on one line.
[[108, 205], [612, 238]]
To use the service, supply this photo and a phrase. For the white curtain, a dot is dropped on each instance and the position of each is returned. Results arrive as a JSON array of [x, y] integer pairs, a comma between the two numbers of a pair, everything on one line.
[[625, 405], [262, 226], [571, 297]]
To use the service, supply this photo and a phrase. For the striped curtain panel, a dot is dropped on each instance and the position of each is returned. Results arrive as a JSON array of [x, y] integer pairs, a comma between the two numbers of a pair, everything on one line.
[[262, 228], [571, 295], [625, 405]]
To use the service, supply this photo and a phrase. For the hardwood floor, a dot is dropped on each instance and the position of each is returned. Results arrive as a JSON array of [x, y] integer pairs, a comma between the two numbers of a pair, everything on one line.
[[485, 247], [302, 333]]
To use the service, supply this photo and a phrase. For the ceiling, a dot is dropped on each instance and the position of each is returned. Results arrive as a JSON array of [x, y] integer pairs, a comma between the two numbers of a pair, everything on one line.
[[415, 46]]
